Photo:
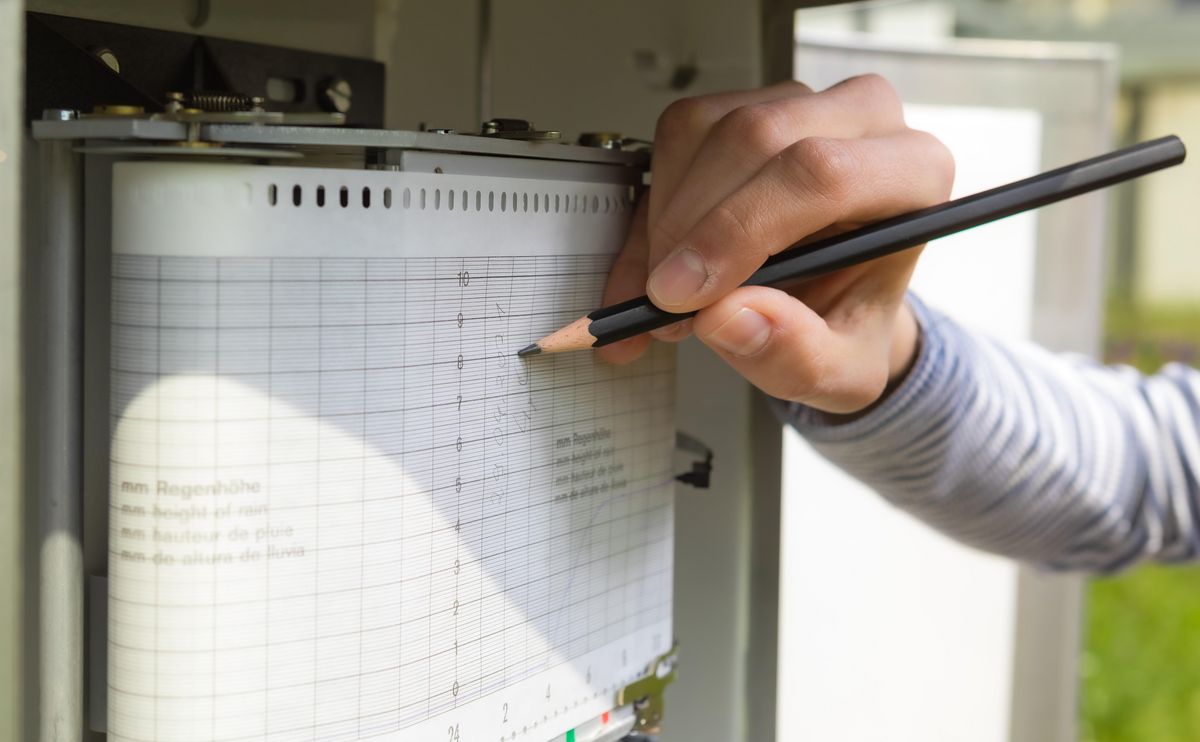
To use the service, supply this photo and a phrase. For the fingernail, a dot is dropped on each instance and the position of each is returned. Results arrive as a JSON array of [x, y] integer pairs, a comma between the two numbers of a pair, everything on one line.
[[678, 277], [677, 331], [743, 334]]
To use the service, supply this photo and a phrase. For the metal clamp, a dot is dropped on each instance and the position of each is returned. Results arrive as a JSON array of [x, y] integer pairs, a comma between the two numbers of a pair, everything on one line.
[[700, 475], [612, 140], [646, 694], [516, 129]]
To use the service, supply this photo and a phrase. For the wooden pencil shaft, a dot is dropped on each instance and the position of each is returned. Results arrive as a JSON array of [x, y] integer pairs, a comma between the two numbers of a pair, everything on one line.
[[635, 316]]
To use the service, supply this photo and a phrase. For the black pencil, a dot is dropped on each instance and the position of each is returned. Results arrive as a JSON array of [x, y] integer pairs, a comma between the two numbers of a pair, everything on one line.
[[633, 317]]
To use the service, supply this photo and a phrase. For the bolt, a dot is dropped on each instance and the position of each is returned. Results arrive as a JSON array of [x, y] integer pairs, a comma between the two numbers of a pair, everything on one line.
[[106, 55], [602, 139], [335, 95]]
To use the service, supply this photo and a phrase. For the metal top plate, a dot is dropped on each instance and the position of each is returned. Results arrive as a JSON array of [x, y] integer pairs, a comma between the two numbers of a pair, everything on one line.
[[320, 136]]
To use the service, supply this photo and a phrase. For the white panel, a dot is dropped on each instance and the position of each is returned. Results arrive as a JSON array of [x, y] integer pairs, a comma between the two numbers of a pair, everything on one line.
[[1072, 86], [886, 625], [991, 146], [909, 636]]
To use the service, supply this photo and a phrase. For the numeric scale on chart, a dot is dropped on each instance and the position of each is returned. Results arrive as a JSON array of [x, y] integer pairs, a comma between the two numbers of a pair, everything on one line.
[[343, 509]]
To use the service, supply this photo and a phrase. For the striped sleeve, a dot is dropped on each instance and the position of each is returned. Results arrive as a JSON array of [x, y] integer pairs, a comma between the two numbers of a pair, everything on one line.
[[1048, 458]]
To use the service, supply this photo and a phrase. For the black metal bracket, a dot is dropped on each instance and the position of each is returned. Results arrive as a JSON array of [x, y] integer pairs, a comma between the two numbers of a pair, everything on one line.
[[79, 64], [700, 474]]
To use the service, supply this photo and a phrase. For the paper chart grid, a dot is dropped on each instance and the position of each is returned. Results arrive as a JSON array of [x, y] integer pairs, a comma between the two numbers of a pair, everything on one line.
[[341, 508]]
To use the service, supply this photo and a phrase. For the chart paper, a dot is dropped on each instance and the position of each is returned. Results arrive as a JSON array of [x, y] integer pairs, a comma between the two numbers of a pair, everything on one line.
[[340, 507]]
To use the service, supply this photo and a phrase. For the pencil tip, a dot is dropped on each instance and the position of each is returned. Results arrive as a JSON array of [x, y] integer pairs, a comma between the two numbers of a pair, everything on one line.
[[529, 350]]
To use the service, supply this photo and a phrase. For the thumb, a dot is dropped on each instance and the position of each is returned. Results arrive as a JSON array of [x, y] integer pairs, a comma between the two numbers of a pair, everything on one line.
[[789, 351]]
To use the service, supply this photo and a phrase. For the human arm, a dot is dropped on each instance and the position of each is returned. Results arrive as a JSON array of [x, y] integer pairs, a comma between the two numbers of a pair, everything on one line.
[[1048, 458]]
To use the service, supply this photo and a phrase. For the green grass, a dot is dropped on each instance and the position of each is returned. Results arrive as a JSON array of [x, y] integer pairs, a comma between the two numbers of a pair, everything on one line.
[[1141, 660], [1141, 664]]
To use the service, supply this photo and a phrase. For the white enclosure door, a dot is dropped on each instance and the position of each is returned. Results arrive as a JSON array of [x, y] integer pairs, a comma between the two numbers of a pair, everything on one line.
[[889, 630]]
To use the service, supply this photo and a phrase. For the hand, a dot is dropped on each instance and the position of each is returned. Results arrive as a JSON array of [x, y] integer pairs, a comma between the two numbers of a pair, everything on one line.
[[738, 177]]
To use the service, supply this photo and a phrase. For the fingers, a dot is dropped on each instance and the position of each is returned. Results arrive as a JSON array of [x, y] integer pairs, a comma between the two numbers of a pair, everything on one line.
[[626, 280], [739, 177], [811, 185], [836, 296], [786, 349], [741, 142], [673, 333], [685, 124]]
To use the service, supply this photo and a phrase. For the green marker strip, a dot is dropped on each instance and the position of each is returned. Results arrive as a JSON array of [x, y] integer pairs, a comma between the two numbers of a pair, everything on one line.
[[570, 735]]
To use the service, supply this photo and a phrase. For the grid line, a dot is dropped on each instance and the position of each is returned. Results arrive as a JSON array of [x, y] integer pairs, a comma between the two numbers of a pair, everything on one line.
[[366, 548]]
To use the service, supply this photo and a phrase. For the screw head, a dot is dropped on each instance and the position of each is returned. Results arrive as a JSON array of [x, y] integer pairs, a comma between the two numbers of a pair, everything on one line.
[[335, 95], [106, 55]]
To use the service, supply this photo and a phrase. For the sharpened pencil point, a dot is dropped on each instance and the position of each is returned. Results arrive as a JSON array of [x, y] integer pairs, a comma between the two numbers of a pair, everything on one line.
[[529, 350]]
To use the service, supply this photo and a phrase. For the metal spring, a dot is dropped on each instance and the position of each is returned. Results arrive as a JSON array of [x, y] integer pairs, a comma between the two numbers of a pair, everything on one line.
[[219, 102]]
